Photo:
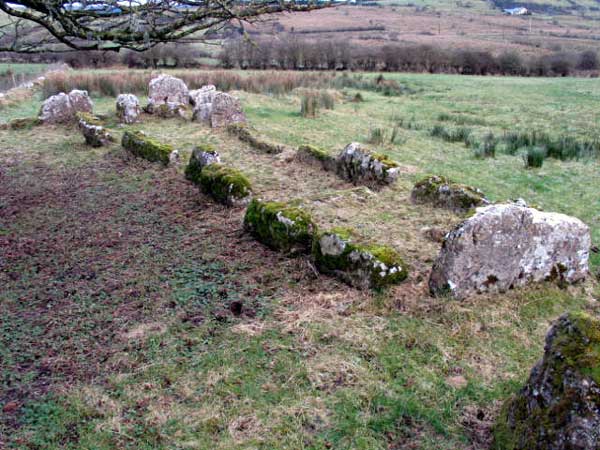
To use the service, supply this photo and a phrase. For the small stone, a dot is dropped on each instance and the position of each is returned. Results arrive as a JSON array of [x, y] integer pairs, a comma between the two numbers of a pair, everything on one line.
[[94, 133], [128, 108], [361, 166], [443, 193]]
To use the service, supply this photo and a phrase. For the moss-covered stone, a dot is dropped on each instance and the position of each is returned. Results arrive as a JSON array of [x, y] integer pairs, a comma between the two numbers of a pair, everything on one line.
[[311, 153], [339, 252], [363, 166], [441, 192], [93, 130], [559, 407], [22, 123], [244, 134], [202, 156], [145, 147], [280, 226], [225, 184]]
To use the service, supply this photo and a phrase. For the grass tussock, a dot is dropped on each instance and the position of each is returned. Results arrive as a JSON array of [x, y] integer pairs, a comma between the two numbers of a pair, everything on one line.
[[312, 101], [534, 157], [461, 134]]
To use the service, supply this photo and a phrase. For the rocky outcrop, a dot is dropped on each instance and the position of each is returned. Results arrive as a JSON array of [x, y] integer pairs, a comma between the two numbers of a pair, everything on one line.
[[166, 89], [224, 184], [145, 147], [361, 166], [62, 108], [280, 226], [338, 253], [202, 156], [128, 108], [505, 246], [443, 193], [226, 110], [93, 131], [559, 407]]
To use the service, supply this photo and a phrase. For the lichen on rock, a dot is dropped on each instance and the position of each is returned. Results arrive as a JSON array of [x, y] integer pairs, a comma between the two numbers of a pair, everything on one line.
[[559, 407], [362, 166], [340, 253], [225, 184], [280, 226], [62, 108], [165, 90], [441, 192], [145, 147], [202, 156], [128, 108]]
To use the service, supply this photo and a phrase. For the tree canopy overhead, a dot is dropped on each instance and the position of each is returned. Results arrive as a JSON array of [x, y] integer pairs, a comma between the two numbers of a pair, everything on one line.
[[35, 26]]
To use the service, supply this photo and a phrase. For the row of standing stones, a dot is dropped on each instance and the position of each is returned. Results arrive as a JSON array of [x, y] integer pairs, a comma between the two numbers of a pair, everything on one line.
[[497, 248]]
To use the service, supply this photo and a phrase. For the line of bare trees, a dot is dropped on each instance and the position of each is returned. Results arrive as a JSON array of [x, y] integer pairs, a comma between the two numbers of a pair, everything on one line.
[[298, 54]]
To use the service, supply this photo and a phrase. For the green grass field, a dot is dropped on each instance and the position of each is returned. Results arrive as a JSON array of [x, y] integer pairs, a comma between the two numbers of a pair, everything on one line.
[[119, 314]]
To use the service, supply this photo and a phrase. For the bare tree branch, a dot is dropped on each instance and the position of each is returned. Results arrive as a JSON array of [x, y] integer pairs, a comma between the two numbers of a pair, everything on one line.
[[36, 26]]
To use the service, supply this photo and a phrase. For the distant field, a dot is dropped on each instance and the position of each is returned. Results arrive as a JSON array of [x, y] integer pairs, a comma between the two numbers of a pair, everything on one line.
[[472, 24], [116, 322]]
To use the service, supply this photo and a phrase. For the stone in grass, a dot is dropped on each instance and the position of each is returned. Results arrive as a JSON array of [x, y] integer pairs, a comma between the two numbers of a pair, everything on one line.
[[203, 96], [361, 166], [166, 89], [62, 108], [441, 192], [559, 406], [170, 110], [314, 154], [128, 108], [145, 147], [337, 252], [505, 246], [280, 226], [226, 185], [244, 134], [202, 156], [22, 123], [93, 131], [226, 110]]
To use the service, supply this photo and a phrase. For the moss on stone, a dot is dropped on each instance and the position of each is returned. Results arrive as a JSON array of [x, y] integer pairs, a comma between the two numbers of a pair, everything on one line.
[[23, 123], [280, 226], [569, 376], [244, 134], [384, 159], [89, 118], [314, 152], [225, 184], [194, 168], [144, 147], [442, 192], [358, 264]]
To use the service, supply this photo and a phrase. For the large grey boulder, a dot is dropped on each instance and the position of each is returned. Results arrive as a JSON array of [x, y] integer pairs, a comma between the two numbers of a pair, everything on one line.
[[204, 95], [507, 245], [226, 110], [559, 407], [62, 108], [128, 108], [361, 166], [166, 89]]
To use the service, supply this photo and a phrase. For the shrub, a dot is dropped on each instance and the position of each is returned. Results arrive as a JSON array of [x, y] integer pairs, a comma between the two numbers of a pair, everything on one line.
[[588, 60], [534, 157], [309, 106], [487, 148], [376, 136]]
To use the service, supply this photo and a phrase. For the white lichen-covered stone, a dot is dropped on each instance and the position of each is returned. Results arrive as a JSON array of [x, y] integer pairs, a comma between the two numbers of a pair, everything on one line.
[[202, 112], [62, 108], [203, 95], [174, 158], [505, 246], [128, 108], [226, 110], [358, 165], [166, 89]]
